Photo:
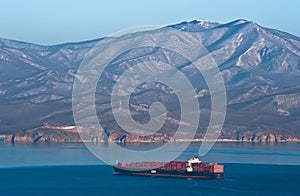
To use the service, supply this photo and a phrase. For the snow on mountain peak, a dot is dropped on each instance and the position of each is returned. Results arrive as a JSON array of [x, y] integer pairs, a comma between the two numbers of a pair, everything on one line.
[[206, 23], [202, 20]]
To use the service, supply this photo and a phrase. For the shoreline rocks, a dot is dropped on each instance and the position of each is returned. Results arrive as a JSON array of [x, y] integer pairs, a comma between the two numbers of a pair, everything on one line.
[[61, 134]]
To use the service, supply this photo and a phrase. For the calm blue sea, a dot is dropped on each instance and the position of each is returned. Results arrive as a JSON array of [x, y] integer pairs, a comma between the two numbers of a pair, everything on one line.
[[69, 169]]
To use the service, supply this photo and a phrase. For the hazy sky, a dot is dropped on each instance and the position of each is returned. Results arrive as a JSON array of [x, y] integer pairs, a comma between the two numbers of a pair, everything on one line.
[[57, 21]]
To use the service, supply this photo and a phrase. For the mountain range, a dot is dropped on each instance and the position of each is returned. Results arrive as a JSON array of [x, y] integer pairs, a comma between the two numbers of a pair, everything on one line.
[[260, 68]]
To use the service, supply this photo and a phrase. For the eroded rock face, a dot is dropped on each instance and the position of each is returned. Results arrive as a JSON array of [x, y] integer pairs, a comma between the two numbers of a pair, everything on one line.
[[121, 137], [265, 137], [51, 133], [45, 134]]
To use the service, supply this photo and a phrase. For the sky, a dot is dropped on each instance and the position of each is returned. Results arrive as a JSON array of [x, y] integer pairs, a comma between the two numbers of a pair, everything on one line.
[[59, 21]]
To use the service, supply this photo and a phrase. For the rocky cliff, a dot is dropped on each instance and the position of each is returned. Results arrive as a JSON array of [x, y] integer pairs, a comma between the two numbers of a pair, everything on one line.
[[57, 134]]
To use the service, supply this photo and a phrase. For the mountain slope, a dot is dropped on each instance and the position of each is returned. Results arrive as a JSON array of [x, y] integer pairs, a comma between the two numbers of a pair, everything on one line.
[[260, 67]]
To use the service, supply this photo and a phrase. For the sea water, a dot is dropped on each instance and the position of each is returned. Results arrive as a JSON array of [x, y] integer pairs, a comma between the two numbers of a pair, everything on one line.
[[70, 169]]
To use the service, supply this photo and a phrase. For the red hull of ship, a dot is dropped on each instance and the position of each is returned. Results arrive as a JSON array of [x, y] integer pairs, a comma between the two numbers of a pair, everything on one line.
[[172, 169]]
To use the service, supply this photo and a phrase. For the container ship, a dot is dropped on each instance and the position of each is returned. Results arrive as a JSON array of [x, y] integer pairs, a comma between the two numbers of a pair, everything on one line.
[[193, 168]]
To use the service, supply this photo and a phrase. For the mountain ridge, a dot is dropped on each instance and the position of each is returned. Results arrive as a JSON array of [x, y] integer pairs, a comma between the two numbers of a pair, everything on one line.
[[260, 67]]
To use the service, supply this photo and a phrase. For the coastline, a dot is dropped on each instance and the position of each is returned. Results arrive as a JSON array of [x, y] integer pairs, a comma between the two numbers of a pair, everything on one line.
[[164, 141], [71, 134]]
